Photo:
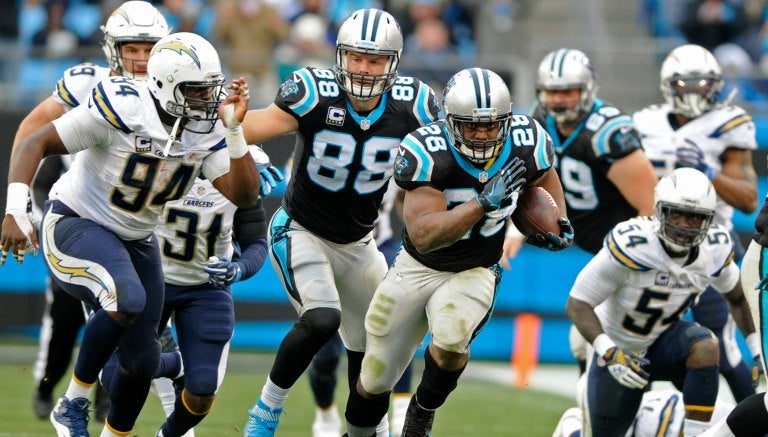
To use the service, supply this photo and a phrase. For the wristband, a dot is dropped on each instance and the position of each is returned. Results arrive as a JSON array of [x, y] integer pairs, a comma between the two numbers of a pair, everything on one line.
[[236, 144], [602, 343], [753, 343], [18, 198]]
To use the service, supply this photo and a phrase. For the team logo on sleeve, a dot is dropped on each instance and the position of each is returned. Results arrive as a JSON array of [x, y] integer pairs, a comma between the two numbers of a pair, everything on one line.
[[143, 144], [287, 88], [401, 162], [662, 279], [336, 116]]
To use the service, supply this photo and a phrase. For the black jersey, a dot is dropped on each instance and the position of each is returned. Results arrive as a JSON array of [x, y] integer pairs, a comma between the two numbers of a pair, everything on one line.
[[761, 225], [428, 159], [343, 160], [594, 204]]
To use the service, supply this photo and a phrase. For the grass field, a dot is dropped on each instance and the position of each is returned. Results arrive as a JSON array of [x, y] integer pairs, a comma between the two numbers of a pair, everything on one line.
[[478, 407]]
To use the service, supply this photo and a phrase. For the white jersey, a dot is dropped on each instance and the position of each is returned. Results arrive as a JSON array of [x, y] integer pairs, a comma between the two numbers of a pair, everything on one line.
[[121, 178], [714, 131], [75, 85], [192, 229], [638, 290]]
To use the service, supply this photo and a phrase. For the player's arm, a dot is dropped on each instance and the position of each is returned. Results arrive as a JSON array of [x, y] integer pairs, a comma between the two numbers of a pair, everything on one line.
[[635, 178], [430, 224], [17, 228], [241, 183], [45, 112], [263, 124], [736, 184], [250, 235]]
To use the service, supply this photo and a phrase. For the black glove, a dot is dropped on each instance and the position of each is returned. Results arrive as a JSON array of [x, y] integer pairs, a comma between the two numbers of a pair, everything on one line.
[[508, 180], [555, 242]]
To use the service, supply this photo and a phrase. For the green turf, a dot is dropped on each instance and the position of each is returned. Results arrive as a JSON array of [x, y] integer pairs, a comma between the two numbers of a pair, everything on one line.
[[476, 408]]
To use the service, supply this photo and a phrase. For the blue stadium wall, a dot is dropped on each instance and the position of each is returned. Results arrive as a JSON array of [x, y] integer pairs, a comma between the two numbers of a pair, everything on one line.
[[538, 283]]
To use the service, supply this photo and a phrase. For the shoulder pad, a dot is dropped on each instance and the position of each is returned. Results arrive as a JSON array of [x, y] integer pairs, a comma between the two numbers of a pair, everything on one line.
[[634, 244], [75, 85], [615, 133], [418, 97], [120, 102], [415, 161], [300, 93]]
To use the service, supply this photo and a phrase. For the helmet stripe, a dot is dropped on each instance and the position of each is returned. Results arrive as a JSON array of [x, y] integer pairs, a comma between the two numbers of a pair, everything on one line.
[[558, 61], [369, 29], [482, 88]]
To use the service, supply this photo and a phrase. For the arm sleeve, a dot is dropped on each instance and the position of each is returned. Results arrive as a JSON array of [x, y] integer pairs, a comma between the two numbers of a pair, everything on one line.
[[250, 227]]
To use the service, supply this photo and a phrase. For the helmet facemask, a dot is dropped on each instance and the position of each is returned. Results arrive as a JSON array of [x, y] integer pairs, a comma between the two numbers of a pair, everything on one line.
[[692, 96], [679, 237], [198, 101], [362, 86], [476, 150]]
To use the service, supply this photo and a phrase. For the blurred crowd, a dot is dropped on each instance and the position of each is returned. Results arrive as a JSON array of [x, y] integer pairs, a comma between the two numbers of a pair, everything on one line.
[[259, 39], [735, 31]]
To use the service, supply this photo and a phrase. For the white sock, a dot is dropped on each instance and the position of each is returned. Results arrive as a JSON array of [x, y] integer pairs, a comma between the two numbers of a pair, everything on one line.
[[382, 429], [166, 393], [77, 390], [272, 395], [692, 428]]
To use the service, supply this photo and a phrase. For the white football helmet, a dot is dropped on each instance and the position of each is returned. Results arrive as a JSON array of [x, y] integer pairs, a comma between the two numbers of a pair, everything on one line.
[[133, 22], [185, 77], [373, 32], [691, 80], [477, 95], [684, 192], [565, 69]]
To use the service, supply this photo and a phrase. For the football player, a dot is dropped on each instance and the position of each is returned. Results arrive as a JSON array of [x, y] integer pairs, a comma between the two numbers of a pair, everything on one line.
[[694, 128], [605, 175], [322, 371], [349, 122], [462, 177], [628, 301], [140, 146], [129, 34]]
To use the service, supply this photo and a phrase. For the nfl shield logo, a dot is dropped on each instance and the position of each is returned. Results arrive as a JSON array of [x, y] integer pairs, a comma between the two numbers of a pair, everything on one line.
[[365, 124], [483, 177]]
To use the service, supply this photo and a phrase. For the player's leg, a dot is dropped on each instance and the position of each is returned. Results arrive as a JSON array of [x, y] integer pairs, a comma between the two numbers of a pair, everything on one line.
[[711, 311], [610, 407], [301, 261], [62, 319], [401, 397], [322, 381], [139, 348], [748, 419], [92, 264], [395, 324], [204, 325], [468, 297], [687, 355]]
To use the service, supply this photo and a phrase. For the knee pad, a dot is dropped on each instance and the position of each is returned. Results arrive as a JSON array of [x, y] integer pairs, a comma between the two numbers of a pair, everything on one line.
[[132, 296], [322, 323], [198, 405]]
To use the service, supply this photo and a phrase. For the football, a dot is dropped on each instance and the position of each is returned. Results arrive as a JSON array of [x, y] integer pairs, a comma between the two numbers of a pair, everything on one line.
[[536, 212]]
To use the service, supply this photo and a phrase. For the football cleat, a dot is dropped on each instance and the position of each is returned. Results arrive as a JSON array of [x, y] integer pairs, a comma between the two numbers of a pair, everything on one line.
[[418, 420], [327, 422], [262, 420], [70, 418]]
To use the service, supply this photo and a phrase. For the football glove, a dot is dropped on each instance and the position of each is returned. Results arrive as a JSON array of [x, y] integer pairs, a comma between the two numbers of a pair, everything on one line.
[[222, 272], [553, 242], [689, 155], [270, 175], [757, 370], [626, 367], [508, 180]]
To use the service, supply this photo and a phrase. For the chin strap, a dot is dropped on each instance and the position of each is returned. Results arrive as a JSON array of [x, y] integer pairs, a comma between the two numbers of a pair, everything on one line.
[[172, 137]]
